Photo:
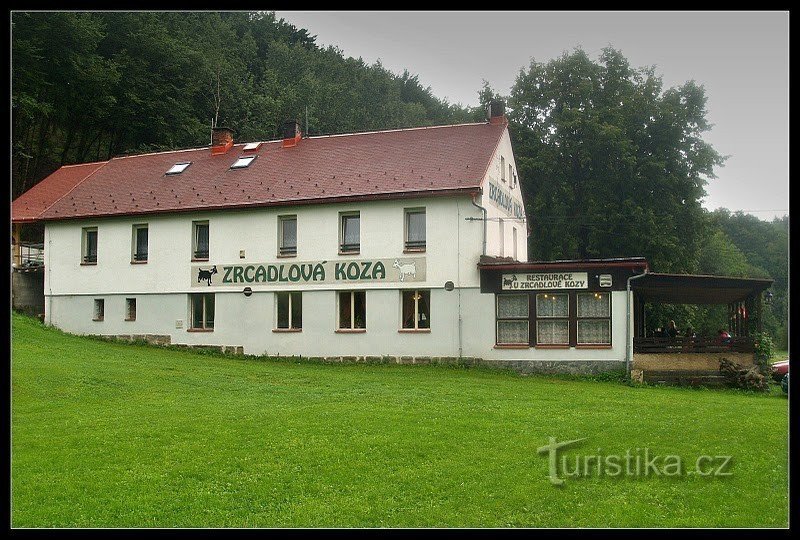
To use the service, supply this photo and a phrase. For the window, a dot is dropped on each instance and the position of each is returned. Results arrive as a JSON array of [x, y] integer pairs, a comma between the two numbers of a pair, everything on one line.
[[89, 245], [511, 174], [178, 168], [352, 310], [251, 147], [130, 309], [502, 168], [594, 318], [415, 229], [140, 243], [99, 309], [243, 162], [287, 236], [512, 319], [514, 245], [290, 310], [552, 314], [350, 233], [200, 240], [416, 310], [502, 226], [201, 307]]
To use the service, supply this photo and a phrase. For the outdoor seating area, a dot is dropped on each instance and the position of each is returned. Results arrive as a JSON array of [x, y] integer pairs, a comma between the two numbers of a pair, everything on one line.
[[695, 359]]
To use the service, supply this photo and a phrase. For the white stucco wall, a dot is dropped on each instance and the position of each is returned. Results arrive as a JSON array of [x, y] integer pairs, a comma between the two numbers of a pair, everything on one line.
[[462, 320], [494, 246]]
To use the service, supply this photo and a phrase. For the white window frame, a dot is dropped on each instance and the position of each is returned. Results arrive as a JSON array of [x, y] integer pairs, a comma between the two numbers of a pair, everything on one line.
[[352, 296], [243, 162], [178, 168], [415, 292], [202, 328], [502, 168], [290, 308]]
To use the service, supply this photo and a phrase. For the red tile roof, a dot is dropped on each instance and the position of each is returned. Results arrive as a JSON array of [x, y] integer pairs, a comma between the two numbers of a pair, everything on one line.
[[381, 164], [31, 204]]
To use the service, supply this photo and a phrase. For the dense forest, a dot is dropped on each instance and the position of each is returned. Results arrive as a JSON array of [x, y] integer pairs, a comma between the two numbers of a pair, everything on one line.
[[611, 163]]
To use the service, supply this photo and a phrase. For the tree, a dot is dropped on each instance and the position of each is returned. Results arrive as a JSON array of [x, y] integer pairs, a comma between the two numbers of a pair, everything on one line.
[[610, 164]]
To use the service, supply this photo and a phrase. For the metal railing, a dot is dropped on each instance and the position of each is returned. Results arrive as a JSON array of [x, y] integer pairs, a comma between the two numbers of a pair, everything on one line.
[[31, 255], [692, 345]]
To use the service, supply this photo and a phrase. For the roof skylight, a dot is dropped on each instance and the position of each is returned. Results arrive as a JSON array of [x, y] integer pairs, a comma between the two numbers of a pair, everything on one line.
[[178, 168], [243, 162], [249, 147]]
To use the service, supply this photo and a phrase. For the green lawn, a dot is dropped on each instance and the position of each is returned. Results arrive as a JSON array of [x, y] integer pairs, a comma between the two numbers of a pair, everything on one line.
[[119, 435]]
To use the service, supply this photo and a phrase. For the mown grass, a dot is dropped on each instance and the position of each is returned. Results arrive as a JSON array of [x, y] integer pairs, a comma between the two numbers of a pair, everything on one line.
[[118, 435]]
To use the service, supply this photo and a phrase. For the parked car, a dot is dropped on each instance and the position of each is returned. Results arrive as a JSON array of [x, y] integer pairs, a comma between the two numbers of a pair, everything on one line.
[[785, 384], [779, 369]]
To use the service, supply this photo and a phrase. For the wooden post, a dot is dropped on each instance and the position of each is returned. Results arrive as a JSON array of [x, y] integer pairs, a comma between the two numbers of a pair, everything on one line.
[[15, 240]]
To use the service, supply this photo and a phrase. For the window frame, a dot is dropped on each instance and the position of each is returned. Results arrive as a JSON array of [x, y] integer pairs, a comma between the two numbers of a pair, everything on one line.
[[99, 314], [579, 318], [290, 318], [497, 320], [502, 168], [195, 227], [352, 299], [243, 162], [85, 260], [501, 225], [128, 303], [552, 318], [204, 327], [284, 251], [414, 246], [422, 294], [135, 243], [348, 249]]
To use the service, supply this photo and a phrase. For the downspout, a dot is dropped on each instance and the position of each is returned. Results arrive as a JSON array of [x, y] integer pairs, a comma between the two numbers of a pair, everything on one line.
[[628, 338], [481, 208]]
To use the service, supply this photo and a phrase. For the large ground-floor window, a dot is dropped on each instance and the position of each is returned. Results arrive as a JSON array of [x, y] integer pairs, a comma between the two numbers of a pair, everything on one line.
[[290, 310], [416, 310], [558, 319], [352, 310], [512, 319]]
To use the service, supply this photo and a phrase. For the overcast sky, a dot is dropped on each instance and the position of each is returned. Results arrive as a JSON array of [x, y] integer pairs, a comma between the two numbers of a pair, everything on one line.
[[741, 58]]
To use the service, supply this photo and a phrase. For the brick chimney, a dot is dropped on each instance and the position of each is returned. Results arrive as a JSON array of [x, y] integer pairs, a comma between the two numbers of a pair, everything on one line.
[[221, 140], [496, 112], [291, 133]]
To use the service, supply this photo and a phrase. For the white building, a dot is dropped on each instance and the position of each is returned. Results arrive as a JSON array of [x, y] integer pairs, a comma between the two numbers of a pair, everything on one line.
[[357, 245]]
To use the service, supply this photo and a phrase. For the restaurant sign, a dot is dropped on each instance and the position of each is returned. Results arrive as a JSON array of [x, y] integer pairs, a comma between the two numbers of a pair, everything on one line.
[[505, 200], [314, 272], [545, 281]]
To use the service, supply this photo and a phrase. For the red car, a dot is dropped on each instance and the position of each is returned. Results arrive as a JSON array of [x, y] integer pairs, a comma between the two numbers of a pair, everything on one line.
[[779, 369]]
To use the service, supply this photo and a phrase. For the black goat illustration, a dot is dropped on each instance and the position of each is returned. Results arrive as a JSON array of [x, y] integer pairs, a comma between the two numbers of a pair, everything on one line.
[[509, 282], [206, 274]]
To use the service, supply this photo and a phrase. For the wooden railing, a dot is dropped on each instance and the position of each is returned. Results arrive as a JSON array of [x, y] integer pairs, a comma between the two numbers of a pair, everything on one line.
[[691, 345]]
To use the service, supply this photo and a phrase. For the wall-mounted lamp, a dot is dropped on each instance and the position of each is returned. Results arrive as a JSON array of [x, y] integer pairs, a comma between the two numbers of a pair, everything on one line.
[[247, 291], [768, 297], [449, 285]]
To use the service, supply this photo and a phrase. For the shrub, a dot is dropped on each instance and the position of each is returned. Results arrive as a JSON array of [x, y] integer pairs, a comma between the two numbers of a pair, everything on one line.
[[764, 349]]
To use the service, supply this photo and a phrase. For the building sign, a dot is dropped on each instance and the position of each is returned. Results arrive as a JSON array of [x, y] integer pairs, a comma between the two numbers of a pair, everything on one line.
[[503, 199], [315, 272], [555, 280]]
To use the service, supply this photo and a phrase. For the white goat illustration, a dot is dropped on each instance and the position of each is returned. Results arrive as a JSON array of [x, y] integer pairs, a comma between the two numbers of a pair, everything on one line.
[[405, 269]]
